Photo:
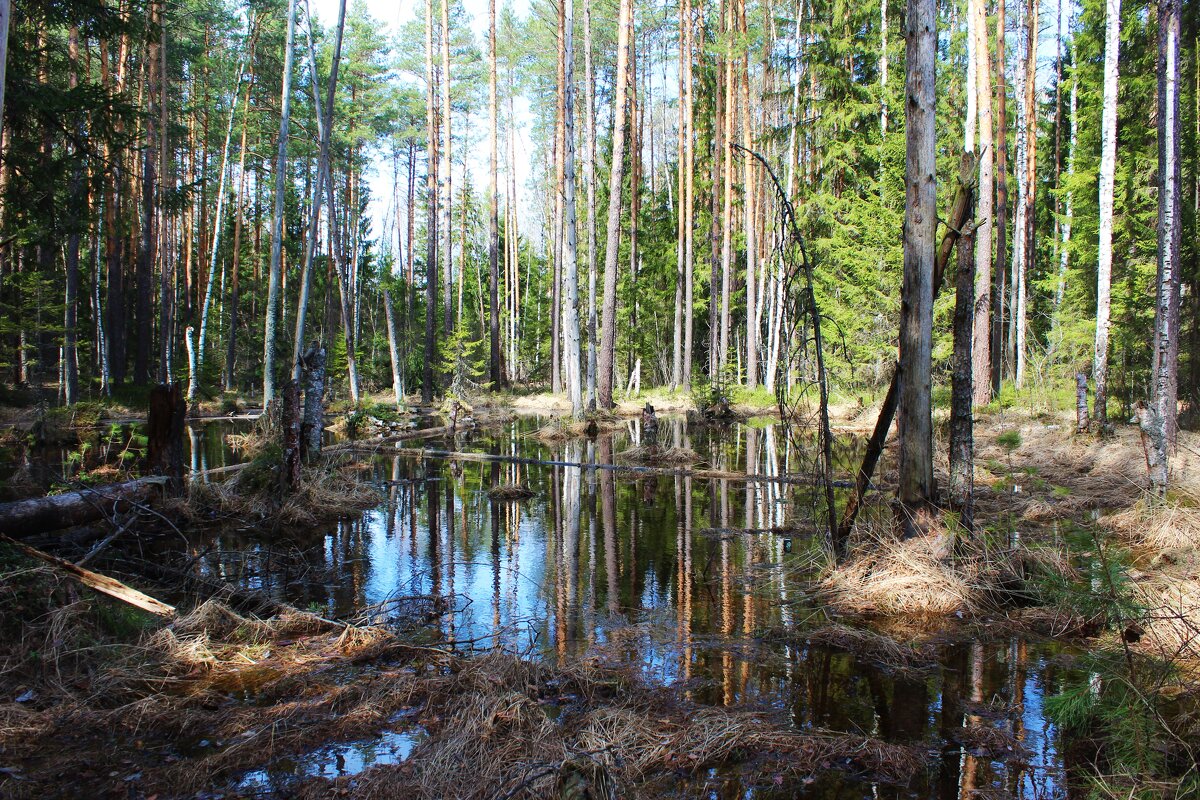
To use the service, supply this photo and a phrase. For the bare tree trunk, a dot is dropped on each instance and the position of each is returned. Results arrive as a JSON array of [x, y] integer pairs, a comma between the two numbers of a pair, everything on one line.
[[1000, 92], [431, 202], [570, 288], [393, 350], [917, 491], [689, 201], [1029, 222], [274, 277], [1108, 163], [980, 346], [148, 249], [70, 357], [752, 318], [962, 445], [194, 374], [608, 343], [235, 268], [589, 90], [324, 133], [447, 197], [1064, 256], [1166, 312], [727, 188], [313, 372], [493, 208]]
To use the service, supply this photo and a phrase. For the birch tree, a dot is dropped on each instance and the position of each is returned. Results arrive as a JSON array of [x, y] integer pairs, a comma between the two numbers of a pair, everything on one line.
[[1108, 165]]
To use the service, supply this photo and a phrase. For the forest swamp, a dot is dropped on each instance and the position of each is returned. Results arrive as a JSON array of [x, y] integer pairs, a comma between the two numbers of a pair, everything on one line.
[[495, 603]]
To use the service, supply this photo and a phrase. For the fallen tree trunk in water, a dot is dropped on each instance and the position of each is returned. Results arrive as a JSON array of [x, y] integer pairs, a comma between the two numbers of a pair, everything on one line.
[[41, 514], [101, 583]]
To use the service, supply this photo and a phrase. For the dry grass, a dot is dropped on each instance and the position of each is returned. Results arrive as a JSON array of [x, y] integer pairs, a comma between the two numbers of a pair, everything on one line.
[[510, 491], [643, 454], [491, 736], [326, 491], [1159, 526], [892, 577]]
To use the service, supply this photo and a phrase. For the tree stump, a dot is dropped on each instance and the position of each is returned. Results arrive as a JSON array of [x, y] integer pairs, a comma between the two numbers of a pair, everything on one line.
[[164, 434], [313, 365], [1081, 403], [289, 475], [649, 427]]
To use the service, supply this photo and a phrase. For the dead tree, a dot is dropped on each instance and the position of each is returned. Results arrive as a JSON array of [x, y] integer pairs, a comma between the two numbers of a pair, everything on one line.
[[289, 474], [313, 366], [798, 269], [164, 434], [1082, 418], [962, 435], [887, 412]]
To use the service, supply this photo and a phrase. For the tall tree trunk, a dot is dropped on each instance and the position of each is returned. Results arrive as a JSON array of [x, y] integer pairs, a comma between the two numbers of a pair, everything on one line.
[[325, 134], [688, 200], [198, 359], [1108, 164], [608, 342], [1166, 311], [962, 446], [1001, 137], [916, 493], [393, 349], [680, 237], [570, 289], [493, 209], [431, 203], [275, 275], [447, 196], [727, 186], [589, 91], [981, 366], [148, 249], [5, 16], [1064, 255], [70, 357], [1029, 239], [752, 319], [235, 268]]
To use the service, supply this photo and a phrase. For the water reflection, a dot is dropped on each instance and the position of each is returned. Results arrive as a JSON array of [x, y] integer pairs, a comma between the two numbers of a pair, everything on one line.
[[650, 571]]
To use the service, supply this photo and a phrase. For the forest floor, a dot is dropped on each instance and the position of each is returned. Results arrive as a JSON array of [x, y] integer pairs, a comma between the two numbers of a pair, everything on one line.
[[93, 694]]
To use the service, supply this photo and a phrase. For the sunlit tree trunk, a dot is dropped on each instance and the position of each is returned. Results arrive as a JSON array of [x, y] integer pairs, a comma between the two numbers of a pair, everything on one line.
[[493, 209], [608, 342], [325, 133], [1000, 93], [749, 221], [916, 492], [589, 90], [275, 275], [981, 378], [70, 355], [1166, 311], [1108, 164], [1029, 238], [1064, 256], [570, 288], [447, 195], [431, 203], [727, 186]]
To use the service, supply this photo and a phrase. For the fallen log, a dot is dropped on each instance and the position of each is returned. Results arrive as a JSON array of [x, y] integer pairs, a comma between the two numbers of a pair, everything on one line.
[[94, 580], [28, 517]]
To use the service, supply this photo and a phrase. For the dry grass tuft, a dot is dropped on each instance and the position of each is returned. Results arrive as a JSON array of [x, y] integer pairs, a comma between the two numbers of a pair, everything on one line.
[[644, 454], [326, 491], [892, 577], [1159, 525], [510, 491]]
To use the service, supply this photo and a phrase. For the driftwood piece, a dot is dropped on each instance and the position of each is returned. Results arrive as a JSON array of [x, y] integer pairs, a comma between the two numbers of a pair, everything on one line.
[[38, 515], [887, 412], [164, 434], [100, 583]]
